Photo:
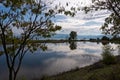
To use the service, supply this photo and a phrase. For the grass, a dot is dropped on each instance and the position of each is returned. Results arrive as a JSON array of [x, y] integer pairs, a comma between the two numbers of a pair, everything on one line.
[[97, 71]]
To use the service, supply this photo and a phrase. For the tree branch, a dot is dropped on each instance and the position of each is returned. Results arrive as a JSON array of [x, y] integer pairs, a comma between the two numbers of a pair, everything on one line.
[[113, 8]]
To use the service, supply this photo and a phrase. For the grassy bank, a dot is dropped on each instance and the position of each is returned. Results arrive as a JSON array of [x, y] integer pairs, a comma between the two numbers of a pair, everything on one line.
[[97, 71]]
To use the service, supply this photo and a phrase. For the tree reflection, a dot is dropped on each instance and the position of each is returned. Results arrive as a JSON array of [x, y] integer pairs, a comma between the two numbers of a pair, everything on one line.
[[105, 42], [1, 50], [73, 45], [14, 58], [1, 53], [118, 49]]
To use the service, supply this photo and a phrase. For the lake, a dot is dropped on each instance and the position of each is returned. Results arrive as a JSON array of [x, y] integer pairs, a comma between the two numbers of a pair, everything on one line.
[[58, 58]]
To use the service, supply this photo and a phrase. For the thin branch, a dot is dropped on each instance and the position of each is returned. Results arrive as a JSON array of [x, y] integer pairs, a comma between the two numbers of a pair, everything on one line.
[[113, 8]]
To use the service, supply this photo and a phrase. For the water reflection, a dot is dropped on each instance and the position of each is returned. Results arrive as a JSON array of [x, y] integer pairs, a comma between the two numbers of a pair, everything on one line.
[[105, 42], [58, 58], [118, 46], [73, 45]]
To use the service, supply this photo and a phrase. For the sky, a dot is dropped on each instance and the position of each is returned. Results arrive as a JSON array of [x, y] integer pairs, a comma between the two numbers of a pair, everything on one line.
[[83, 24]]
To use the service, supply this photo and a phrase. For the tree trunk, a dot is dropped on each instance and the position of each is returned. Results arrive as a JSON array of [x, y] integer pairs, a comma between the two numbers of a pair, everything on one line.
[[10, 74]]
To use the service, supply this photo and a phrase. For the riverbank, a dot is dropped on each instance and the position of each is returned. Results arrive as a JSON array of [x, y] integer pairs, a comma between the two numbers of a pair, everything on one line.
[[97, 71], [64, 41]]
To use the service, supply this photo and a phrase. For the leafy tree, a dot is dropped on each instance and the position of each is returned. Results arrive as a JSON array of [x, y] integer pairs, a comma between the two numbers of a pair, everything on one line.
[[112, 22], [73, 35], [32, 18]]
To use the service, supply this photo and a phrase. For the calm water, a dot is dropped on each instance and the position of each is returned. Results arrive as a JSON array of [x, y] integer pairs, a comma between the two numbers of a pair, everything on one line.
[[56, 59]]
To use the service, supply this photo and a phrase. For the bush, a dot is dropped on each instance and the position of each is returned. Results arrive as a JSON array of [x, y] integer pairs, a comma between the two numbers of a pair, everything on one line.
[[108, 57]]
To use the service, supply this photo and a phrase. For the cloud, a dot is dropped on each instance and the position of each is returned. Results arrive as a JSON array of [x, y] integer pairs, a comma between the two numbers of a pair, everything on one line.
[[82, 23], [84, 30]]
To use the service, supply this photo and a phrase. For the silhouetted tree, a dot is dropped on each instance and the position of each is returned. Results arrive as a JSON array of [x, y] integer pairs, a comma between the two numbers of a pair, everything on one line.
[[73, 35]]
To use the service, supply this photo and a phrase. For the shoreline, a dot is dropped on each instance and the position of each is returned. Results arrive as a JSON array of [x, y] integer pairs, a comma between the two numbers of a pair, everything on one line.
[[96, 71], [63, 41]]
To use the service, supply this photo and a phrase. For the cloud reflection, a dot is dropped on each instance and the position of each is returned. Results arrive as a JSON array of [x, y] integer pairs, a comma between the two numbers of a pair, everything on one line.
[[58, 58]]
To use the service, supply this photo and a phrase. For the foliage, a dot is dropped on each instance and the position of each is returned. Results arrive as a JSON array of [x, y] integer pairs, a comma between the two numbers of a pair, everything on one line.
[[31, 18], [73, 35], [112, 22], [108, 57], [115, 39], [105, 38]]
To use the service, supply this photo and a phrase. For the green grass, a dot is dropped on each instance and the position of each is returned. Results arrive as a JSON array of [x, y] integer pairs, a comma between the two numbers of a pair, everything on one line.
[[97, 71]]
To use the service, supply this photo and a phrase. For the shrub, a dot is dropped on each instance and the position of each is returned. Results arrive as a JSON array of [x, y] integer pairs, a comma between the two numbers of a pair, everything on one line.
[[108, 57]]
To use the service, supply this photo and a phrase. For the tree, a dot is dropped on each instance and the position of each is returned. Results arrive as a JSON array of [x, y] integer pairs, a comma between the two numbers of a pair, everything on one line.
[[73, 35], [32, 18], [105, 38], [112, 22]]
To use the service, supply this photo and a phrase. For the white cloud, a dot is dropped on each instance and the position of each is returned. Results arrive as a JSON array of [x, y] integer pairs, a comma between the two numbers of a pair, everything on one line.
[[84, 30], [73, 2], [82, 23]]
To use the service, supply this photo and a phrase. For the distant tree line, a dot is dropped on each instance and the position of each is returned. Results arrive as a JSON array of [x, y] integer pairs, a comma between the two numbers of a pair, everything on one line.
[[105, 38]]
